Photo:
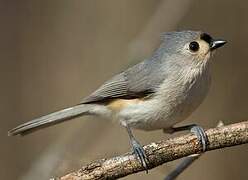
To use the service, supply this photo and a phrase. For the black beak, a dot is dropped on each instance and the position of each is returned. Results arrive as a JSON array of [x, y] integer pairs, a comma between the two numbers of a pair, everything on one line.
[[216, 43]]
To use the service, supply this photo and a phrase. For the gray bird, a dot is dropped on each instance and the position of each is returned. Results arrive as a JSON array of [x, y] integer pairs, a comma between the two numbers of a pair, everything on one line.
[[155, 94]]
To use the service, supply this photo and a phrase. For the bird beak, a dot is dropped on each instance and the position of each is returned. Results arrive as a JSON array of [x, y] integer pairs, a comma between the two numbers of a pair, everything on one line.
[[216, 43]]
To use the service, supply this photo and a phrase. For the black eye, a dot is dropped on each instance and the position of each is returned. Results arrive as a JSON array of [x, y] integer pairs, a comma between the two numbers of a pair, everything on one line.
[[194, 46]]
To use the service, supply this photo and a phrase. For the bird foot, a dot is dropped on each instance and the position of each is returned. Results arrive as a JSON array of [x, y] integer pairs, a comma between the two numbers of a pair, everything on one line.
[[201, 136], [195, 129], [140, 154]]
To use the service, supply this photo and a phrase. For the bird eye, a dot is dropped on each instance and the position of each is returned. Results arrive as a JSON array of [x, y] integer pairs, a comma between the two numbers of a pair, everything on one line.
[[194, 46]]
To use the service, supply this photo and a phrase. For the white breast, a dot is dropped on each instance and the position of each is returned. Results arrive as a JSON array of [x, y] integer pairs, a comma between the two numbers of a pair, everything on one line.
[[176, 99]]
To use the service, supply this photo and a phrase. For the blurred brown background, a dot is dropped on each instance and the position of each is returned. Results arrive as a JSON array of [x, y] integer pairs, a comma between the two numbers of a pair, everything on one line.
[[53, 53]]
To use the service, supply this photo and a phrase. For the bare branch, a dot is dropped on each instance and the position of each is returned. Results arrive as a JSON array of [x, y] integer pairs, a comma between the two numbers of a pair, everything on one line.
[[182, 166], [161, 152]]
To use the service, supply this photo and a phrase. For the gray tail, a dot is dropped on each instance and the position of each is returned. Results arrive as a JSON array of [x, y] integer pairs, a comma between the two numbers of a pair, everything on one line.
[[51, 119]]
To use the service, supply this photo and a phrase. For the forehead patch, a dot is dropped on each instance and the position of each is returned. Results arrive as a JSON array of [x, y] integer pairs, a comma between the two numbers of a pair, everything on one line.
[[206, 37]]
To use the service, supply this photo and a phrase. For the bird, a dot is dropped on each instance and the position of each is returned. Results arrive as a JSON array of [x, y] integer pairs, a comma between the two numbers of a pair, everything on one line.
[[157, 93]]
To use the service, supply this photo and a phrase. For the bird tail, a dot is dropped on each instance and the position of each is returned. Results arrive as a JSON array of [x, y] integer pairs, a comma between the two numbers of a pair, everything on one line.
[[52, 119]]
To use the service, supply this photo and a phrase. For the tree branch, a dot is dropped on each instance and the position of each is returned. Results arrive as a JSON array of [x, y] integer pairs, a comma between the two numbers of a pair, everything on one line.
[[161, 152]]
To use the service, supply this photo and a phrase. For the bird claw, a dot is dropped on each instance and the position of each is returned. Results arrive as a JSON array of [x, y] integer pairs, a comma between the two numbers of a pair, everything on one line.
[[140, 154], [201, 136], [197, 130]]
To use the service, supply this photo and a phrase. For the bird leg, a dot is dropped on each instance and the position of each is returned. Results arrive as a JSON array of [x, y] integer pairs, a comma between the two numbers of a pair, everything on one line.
[[137, 149]]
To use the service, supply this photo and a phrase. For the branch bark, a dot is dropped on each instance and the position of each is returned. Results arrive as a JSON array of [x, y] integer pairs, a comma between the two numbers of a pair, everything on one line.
[[161, 152]]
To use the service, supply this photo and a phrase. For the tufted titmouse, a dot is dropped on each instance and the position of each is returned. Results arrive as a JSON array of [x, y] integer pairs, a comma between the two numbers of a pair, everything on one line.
[[155, 94]]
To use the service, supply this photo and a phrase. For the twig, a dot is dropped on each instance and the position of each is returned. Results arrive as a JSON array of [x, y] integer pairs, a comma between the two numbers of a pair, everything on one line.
[[186, 162], [161, 152], [182, 166]]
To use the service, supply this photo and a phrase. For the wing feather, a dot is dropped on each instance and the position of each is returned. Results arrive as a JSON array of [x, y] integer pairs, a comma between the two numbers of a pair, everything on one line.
[[113, 88], [137, 81]]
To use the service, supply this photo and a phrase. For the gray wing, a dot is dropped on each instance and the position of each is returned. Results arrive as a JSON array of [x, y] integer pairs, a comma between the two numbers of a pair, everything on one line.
[[140, 80]]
